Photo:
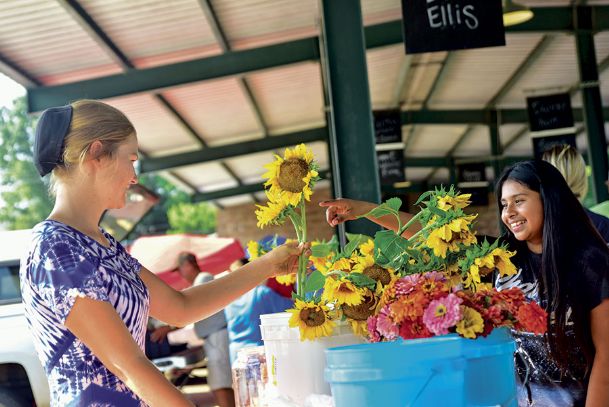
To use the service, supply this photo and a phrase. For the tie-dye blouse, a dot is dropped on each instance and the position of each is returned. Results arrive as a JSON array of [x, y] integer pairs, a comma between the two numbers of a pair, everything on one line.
[[61, 265]]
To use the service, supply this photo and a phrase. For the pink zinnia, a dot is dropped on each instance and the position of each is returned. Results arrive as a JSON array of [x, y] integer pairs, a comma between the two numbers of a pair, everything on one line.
[[435, 276], [385, 326], [442, 314], [406, 284], [372, 332]]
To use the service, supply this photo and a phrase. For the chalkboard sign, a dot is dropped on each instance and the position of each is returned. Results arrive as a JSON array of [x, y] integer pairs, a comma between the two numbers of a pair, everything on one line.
[[391, 166], [443, 25], [387, 126], [471, 179], [550, 112], [543, 144]]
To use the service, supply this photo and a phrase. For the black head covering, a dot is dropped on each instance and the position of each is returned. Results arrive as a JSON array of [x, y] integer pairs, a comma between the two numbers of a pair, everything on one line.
[[52, 129]]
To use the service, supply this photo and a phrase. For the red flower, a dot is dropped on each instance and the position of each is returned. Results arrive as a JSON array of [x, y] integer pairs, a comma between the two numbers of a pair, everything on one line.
[[532, 318], [414, 329]]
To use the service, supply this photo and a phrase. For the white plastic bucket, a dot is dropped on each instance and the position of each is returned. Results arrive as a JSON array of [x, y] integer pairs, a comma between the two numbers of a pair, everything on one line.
[[295, 367]]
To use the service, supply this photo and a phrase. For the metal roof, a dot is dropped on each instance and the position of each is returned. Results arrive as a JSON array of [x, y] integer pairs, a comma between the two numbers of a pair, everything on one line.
[[44, 43]]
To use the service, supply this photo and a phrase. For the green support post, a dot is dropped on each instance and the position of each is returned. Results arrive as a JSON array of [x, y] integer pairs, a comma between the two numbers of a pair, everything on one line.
[[591, 96], [350, 124], [496, 150]]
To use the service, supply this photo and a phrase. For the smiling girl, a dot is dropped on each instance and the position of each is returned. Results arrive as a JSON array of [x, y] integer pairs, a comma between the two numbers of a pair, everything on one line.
[[86, 299], [563, 264]]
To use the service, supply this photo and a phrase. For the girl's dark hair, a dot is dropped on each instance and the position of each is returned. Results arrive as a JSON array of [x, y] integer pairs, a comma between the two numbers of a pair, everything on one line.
[[567, 235]]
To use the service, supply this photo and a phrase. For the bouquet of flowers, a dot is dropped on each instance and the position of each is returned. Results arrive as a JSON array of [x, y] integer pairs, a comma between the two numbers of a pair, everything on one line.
[[431, 283]]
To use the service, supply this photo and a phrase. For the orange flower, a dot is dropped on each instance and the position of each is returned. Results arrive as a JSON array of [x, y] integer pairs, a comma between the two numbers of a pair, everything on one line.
[[532, 318], [408, 307]]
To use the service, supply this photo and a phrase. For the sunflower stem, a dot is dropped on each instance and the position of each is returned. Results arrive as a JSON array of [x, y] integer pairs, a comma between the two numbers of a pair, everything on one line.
[[404, 228], [302, 260]]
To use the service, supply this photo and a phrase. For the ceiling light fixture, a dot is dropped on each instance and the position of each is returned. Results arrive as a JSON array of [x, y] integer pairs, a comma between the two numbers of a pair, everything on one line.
[[514, 13]]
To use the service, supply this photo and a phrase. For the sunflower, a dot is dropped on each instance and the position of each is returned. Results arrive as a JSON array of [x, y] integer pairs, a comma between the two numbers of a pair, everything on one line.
[[457, 202], [450, 235], [367, 266], [342, 264], [253, 249], [365, 309], [503, 262], [359, 327], [311, 319], [367, 248], [287, 279], [292, 176], [273, 213], [342, 291]]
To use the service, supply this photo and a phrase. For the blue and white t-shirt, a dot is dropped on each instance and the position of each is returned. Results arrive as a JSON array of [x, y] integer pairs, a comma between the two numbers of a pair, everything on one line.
[[61, 265]]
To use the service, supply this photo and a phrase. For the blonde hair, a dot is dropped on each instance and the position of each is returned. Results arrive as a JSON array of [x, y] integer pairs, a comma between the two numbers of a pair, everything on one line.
[[571, 165], [91, 121]]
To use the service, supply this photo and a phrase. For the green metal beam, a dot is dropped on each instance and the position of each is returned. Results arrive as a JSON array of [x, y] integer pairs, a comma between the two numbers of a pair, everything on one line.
[[233, 150], [591, 98], [239, 190], [547, 19], [351, 128]]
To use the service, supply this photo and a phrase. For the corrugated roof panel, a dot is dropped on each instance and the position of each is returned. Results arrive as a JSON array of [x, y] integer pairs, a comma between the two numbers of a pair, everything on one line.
[[420, 80], [215, 109], [522, 147], [290, 97], [254, 23], [434, 140], [476, 143], [158, 132], [441, 176], [379, 11], [206, 177], [508, 131], [237, 200], [474, 76], [555, 71], [251, 167], [45, 41], [384, 66], [417, 173], [155, 32]]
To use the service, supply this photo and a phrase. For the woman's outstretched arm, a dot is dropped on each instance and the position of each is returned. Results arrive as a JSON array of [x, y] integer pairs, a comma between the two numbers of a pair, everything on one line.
[[342, 209], [180, 308]]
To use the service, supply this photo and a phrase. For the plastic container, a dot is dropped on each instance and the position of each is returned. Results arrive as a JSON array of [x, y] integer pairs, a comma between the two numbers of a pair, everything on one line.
[[295, 367], [446, 370]]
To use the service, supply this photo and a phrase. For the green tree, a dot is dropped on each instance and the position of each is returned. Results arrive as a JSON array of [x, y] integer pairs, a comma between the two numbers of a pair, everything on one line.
[[192, 218], [24, 196]]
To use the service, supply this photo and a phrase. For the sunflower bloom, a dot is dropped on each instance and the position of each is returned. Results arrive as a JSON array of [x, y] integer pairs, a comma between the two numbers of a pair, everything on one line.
[[342, 264], [471, 323], [503, 262], [253, 249], [270, 214], [342, 291], [367, 248], [367, 266], [292, 176], [359, 327], [311, 319], [287, 279], [458, 202], [448, 237], [364, 310]]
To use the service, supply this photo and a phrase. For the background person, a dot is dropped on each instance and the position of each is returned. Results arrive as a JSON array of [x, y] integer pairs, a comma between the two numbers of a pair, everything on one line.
[[572, 166], [85, 298]]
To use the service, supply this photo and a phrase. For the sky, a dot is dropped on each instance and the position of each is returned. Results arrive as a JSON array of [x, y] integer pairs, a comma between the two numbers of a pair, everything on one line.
[[9, 90]]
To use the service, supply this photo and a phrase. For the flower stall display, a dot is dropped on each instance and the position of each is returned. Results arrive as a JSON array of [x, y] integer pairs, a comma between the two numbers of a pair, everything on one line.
[[433, 286]]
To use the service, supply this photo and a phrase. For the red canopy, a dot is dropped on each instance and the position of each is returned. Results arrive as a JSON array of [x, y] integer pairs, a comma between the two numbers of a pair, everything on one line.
[[159, 254]]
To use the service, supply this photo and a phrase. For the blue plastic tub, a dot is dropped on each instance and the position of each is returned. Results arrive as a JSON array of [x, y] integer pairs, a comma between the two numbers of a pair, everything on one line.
[[441, 371]]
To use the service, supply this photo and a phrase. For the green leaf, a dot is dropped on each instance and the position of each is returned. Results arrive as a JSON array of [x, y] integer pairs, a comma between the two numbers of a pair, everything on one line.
[[354, 242], [321, 250], [423, 196], [394, 203], [437, 211], [315, 282], [393, 248], [361, 280]]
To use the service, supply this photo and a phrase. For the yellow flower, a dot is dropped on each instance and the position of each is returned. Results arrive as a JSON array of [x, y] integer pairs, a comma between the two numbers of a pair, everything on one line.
[[321, 263], [450, 235], [448, 202], [367, 248], [270, 214], [471, 323], [359, 327], [367, 266], [311, 319], [253, 248], [343, 291], [503, 262], [290, 177], [286, 279], [342, 264]]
